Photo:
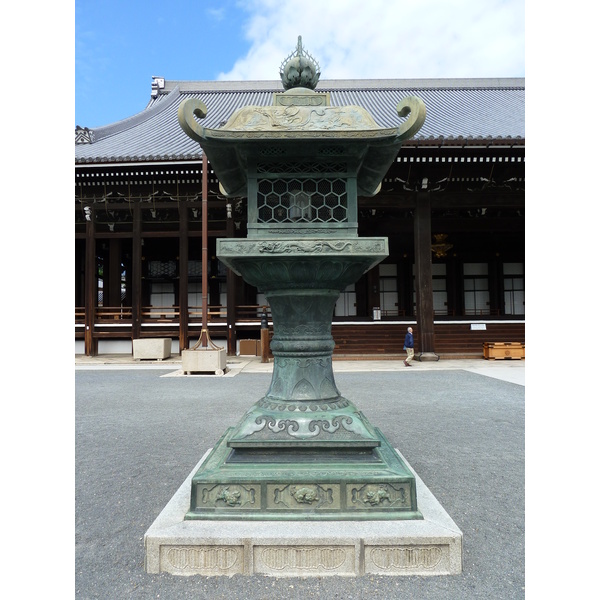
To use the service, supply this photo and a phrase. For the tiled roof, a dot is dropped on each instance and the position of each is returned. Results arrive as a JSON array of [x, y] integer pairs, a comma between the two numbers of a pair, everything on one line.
[[472, 111]]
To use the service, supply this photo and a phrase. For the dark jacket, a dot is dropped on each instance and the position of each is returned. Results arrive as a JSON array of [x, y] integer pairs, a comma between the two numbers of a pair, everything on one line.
[[409, 341]]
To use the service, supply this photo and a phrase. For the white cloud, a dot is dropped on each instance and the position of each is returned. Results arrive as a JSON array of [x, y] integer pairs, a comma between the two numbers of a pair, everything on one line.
[[218, 14], [387, 38]]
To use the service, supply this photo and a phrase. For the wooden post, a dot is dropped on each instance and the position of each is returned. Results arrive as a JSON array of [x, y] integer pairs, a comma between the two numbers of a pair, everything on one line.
[[231, 297], [183, 277], [373, 295], [264, 336], [204, 334], [91, 286], [136, 274], [423, 277]]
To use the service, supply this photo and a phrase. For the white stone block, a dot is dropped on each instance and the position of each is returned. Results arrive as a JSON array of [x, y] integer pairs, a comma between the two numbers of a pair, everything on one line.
[[204, 360], [152, 348]]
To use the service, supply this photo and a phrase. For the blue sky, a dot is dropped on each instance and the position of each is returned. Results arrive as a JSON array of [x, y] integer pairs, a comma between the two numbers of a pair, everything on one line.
[[121, 44]]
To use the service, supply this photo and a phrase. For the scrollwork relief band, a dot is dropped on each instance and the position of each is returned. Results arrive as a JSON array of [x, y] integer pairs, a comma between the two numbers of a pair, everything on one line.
[[406, 558], [306, 558], [199, 559], [261, 247]]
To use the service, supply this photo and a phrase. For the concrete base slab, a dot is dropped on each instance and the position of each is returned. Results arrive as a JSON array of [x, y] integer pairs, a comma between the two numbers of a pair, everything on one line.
[[151, 348], [432, 546]]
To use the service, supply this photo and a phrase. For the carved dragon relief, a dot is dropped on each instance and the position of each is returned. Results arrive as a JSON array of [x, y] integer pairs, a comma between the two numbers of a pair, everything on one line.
[[231, 496], [372, 495], [228, 247], [266, 121], [293, 496]]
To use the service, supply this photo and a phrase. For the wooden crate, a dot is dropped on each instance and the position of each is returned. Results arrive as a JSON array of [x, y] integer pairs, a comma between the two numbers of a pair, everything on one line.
[[503, 350], [249, 347]]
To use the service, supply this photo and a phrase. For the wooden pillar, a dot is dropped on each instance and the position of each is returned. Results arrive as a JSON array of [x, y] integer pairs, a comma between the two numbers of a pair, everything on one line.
[[183, 277], [91, 285], [424, 278], [204, 336], [231, 296], [136, 273], [373, 292], [113, 294]]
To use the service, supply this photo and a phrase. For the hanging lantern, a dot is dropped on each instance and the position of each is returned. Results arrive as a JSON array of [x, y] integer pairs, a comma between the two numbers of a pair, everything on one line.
[[440, 247]]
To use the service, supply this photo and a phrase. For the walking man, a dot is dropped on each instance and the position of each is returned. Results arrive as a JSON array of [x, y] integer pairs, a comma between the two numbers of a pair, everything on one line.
[[409, 346]]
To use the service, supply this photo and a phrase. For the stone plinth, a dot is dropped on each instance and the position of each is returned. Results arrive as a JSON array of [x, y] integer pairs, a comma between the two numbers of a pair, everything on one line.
[[431, 546], [151, 348], [205, 360]]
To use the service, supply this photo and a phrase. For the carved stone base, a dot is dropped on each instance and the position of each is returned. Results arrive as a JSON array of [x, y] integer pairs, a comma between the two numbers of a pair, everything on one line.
[[428, 546]]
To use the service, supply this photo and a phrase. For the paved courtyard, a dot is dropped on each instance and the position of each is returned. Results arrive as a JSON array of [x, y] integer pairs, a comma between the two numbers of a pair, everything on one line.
[[141, 428]]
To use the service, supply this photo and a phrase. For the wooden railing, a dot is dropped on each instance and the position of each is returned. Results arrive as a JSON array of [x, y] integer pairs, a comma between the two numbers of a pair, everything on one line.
[[160, 313], [124, 314], [252, 312], [482, 312], [215, 313], [450, 338], [393, 312], [110, 314]]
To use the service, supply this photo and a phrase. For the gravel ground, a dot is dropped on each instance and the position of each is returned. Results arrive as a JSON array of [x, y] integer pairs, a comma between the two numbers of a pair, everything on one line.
[[138, 435]]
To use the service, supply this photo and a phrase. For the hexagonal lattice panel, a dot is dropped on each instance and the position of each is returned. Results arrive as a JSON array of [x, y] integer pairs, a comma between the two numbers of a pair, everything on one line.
[[320, 200]]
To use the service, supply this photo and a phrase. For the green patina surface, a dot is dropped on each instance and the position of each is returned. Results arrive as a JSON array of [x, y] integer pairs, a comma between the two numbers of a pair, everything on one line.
[[302, 451], [318, 485]]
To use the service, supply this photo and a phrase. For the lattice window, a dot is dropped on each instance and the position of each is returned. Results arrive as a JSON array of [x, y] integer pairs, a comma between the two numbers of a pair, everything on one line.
[[316, 200], [195, 268], [162, 269]]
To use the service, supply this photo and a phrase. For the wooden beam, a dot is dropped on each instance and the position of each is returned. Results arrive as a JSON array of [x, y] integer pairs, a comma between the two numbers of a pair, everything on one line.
[[456, 199]]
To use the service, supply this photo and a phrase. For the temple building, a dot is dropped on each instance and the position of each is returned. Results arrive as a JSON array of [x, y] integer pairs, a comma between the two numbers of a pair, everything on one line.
[[452, 205]]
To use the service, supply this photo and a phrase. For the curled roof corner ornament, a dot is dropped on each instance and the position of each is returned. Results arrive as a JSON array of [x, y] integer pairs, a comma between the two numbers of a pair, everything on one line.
[[413, 108], [186, 113]]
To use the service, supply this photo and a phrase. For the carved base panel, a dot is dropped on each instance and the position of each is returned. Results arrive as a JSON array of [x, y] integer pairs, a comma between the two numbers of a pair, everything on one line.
[[297, 484], [428, 546]]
